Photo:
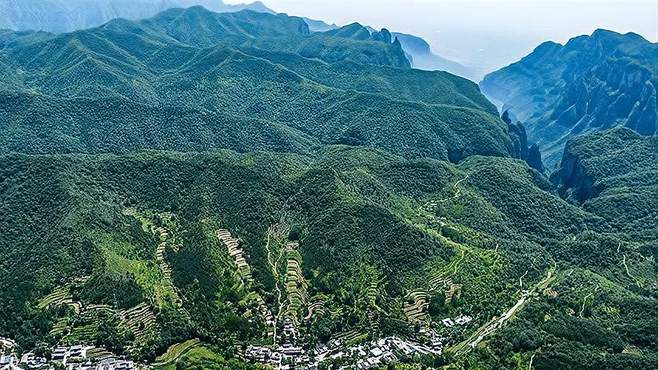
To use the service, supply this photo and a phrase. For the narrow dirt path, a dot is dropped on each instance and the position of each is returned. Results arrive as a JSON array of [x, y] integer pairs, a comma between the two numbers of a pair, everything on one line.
[[532, 358], [521, 278], [457, 194], [582, 308], [458, 190], [454, 272], [628, 271]]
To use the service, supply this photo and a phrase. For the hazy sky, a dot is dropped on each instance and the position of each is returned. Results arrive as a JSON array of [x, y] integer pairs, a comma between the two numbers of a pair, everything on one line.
[[484, 33]]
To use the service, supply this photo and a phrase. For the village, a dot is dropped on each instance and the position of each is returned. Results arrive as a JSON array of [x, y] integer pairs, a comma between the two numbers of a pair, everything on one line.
[[342, 350], [76, 357], [349, 350], [368, 355]]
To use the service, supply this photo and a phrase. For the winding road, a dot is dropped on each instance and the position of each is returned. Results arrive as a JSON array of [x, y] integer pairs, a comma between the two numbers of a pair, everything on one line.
[[496, 323]]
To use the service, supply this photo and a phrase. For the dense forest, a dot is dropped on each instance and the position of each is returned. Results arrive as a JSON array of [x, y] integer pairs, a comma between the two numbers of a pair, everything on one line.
[[351, 183]]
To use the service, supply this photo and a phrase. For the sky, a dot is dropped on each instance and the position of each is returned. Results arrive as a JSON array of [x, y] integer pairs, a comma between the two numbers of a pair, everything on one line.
[[483, 34]]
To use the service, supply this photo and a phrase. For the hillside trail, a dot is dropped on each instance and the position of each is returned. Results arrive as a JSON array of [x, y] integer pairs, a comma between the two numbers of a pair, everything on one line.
[[457, 194], [582, 308], [454, 272], [496, 323], [532, 266], [532, 358], [628, 271]]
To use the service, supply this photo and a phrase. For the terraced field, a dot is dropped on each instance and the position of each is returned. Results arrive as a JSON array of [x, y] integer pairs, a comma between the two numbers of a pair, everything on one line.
[[235, 251], [351, 337], [266, 313], [442, 278], [82, 330], [315, 308], [175, 352], [157, 281], [140, 320], [296, 284], [166, 239], [87, 323], [60, 327], [416, 312], [239, 257], [160, 251], [59, 297], [85, 333], [99, 354]]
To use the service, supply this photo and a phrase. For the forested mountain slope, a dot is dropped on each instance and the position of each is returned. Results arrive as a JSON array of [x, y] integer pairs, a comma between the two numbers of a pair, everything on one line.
[[615, 174], [591, 83], [71, 15], [357, 214], [251, 74]]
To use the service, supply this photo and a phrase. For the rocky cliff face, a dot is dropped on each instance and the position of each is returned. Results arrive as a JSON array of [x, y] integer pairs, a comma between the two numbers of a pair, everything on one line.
[[395, 54], [417, 50], [520, 147], [592, 83], [572, 176]]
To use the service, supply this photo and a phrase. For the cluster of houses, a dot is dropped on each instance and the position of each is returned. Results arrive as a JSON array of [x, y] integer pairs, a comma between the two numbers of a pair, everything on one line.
[[71, 358], [105, 364], [8, 362], [33, 362], [284, 357], [459, 320], [378, 353], [290, 330], [369, 355]]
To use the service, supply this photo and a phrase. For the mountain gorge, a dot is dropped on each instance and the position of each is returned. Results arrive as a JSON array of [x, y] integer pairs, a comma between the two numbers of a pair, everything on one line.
[[615, 172], [194, 189]]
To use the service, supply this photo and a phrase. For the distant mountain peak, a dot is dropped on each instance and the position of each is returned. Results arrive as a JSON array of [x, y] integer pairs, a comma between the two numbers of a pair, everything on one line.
[[591, 83], [604, 33]]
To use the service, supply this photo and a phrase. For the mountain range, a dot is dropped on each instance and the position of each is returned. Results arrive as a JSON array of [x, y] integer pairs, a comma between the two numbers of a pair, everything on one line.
[[219, 190], [130, 63], [422, 57], [59, 16], [71, 15], [591, 83]]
